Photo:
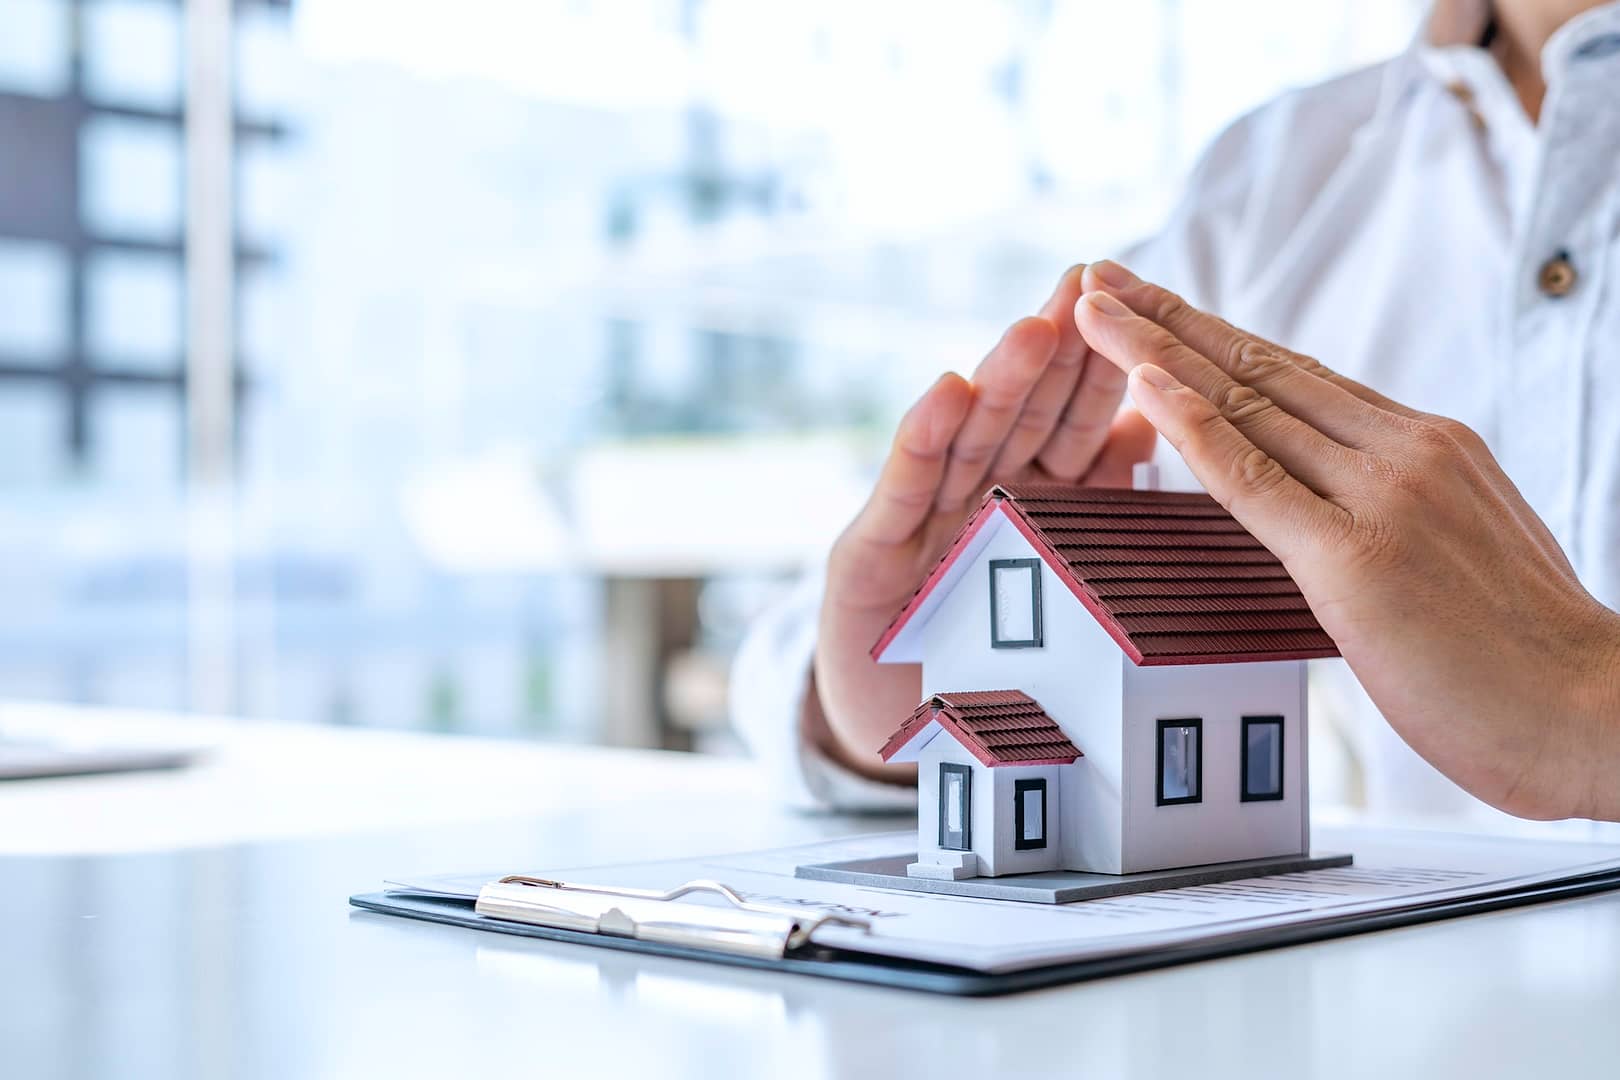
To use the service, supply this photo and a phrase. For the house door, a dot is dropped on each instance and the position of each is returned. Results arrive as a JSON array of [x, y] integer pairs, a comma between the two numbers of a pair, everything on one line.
[[955, 807]]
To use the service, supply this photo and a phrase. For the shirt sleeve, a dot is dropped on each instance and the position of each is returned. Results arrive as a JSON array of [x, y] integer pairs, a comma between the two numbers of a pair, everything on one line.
[[769, 680]]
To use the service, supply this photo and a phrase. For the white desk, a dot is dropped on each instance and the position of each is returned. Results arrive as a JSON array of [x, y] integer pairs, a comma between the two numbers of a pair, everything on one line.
[[195, 924]]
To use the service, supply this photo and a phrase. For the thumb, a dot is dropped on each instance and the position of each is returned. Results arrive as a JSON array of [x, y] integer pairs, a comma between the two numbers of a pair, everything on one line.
[[1130, 440]]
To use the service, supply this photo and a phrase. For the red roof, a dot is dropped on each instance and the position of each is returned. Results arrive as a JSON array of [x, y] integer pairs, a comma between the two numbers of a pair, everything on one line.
[[1171, 576], [999, 727]]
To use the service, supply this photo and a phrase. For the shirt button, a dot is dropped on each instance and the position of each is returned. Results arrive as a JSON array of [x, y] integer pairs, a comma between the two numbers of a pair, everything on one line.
[[1557, 276]]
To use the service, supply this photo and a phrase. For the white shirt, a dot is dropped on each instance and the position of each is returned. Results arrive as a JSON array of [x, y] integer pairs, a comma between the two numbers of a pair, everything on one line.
[[1393, 223]]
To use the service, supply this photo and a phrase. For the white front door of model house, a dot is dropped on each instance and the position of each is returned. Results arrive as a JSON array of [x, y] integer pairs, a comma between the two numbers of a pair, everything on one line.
[[955, 807]]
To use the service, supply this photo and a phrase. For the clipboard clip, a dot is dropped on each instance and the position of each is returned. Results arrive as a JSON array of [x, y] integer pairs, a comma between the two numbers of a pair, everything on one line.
[[743, 927]]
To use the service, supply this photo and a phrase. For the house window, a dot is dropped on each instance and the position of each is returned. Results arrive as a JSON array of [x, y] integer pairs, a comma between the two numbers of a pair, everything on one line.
[[955, 807], [1181, 761], [1015, 603], [1029, 814], [1262, 758]]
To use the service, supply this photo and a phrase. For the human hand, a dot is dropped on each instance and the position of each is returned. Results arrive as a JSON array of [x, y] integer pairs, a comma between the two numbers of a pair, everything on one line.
[[1447, 595], [1040, 406]]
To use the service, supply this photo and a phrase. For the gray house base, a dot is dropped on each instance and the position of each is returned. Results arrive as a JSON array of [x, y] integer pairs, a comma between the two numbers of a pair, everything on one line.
[[1059, 886]]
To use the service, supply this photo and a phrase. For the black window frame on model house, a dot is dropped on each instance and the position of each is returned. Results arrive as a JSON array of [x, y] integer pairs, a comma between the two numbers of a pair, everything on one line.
[[1275, 722], [1197, 724], [1020, 789], [951, 768]]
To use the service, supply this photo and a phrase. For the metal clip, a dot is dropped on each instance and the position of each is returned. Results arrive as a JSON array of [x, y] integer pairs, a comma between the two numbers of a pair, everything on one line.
[[744, 927]]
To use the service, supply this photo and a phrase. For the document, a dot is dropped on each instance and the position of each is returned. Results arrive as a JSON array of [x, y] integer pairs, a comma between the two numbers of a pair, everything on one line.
[[1393, 871]]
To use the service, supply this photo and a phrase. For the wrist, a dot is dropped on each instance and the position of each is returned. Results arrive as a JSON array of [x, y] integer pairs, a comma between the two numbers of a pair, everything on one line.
[[819, 734], [1596, 711]]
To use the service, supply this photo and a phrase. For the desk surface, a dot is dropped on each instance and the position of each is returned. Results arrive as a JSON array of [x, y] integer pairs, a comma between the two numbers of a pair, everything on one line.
[[194, 924]]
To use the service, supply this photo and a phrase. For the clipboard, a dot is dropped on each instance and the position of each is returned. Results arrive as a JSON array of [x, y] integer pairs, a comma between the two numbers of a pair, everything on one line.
[[762, 937]]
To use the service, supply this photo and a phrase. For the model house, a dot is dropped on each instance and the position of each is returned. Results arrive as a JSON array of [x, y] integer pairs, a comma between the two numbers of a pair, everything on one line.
[[1113, 681]]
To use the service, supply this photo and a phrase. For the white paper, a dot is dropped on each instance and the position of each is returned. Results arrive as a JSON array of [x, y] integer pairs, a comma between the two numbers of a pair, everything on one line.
[[1394, 870]]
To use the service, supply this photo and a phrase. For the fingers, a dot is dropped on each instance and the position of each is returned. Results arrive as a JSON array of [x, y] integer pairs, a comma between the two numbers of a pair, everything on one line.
[[1281, 512], [1129, 340], [1130, 440], [1001, 385], [1083, 429], [1250, 359], [1045, 407], [908, 486]]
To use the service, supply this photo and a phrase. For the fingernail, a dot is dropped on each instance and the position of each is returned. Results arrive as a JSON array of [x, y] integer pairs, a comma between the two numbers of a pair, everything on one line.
[[1155, 376], [1106, 305], [1111, 273]]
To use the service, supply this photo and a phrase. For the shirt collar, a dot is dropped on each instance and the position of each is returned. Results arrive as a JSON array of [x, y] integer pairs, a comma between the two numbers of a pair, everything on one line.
[[1589, 41], [1455, 28], [1446, 51]]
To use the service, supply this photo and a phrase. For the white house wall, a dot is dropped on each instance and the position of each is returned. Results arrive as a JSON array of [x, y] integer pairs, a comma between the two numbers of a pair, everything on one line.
[[1004, 857], [1075, 675], [1222, 826]]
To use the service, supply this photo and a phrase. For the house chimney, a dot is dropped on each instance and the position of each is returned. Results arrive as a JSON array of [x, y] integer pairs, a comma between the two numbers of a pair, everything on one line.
[[1144, 476]]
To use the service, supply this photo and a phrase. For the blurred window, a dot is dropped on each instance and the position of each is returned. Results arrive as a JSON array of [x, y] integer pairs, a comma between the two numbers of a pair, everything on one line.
[[34, 311], [34, 47], [131, 178], [31, 425], [138, 438], [134, 311], [132, 53], [267, 63]]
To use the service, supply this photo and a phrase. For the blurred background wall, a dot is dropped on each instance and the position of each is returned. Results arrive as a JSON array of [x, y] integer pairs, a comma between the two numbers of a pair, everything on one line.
[[560, 334]]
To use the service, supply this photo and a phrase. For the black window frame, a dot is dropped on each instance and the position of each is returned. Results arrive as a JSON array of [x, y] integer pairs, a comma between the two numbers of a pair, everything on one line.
[[1197, 724], [947, 768], [1020, 787], [1036, 622], [1243, 756]]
